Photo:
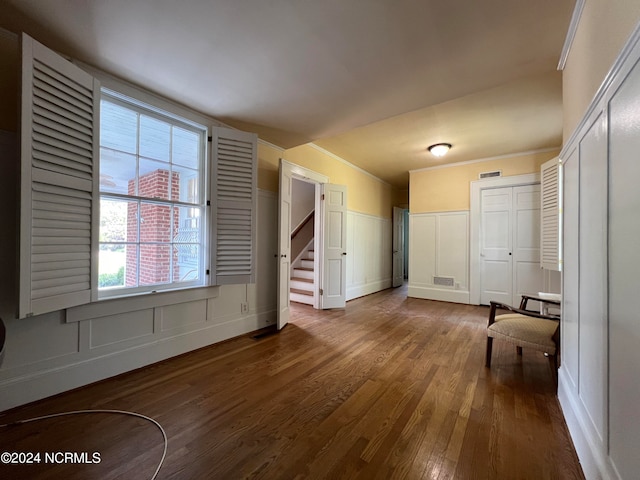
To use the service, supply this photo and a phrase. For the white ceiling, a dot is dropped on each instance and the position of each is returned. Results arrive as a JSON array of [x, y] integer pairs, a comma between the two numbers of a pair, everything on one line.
[[374, 81]]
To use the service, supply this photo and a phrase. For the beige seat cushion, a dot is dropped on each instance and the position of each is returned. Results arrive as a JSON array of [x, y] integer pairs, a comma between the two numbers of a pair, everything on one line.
[[524, 331]]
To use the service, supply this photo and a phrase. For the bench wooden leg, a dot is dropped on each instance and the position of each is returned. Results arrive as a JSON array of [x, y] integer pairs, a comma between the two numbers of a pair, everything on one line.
[[488, 358]]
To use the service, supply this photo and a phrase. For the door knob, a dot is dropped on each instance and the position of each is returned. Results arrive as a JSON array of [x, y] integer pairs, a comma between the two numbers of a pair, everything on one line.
[[283, 256], [344, 253]]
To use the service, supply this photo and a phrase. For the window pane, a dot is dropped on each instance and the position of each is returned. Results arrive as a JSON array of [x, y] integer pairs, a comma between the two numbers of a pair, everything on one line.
[[118, 127], [155, 264], [151, 243], [117, 172], [186, 185], [118, 220], [154, 180], [155, 223], [186, 148], [186, 262], [131, 267], [186, 225], [111, 271], [155, 138]]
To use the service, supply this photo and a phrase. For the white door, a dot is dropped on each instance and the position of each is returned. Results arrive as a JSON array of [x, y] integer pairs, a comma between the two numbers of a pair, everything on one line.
[[510, 244], [333, 275], [495, 246], [527, 274], [398, 246], [284, 247]]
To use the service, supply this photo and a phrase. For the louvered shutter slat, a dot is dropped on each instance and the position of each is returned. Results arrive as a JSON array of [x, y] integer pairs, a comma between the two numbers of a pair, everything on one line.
[[235, 164], [59, 173], [550, 213]]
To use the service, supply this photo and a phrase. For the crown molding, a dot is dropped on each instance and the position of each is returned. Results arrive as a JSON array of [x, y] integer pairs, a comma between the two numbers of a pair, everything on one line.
[[571, 33], [268, 144]]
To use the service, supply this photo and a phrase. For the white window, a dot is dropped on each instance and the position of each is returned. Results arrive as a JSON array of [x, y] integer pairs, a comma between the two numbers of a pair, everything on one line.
[[130, 207], [152, 202]]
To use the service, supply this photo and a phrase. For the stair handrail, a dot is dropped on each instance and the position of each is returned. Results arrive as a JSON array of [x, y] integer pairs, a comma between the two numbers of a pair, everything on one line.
[[306, 220]]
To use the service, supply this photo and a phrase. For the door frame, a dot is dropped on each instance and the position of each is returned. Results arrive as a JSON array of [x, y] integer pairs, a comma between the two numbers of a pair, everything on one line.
[[474, 218], [302, 173]]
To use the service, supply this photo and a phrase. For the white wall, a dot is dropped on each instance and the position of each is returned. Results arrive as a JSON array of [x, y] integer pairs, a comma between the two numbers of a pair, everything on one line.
[[55, 352], [439, 246], [368, 254], [599, 387], [304, 201]]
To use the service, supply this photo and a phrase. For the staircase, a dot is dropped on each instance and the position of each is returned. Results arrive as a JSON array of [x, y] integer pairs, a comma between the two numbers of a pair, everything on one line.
[[302, 280]]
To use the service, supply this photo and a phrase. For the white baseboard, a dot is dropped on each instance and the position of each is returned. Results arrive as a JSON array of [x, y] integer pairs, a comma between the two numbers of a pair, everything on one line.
[[594, 461], [35, 386], [431, 293], [356, 291]]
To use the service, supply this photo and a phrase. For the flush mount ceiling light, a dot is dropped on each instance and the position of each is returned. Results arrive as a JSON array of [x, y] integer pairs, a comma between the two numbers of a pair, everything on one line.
[[439, 149]]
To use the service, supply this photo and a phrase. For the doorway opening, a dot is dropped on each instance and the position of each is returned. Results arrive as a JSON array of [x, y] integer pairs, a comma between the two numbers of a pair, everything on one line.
[[303, 287], [319, 262]]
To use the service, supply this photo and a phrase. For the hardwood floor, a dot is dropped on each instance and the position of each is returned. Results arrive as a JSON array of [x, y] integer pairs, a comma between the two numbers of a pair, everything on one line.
[[390, 387]]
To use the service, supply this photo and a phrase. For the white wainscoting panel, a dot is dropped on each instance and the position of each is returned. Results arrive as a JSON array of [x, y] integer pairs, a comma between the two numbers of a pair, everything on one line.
[[26, 345], [593, 276], [624, 268], [47, 354], [439, 247], [598, 384], [180, 318], [124, 327], [368, 254], [571, 275]]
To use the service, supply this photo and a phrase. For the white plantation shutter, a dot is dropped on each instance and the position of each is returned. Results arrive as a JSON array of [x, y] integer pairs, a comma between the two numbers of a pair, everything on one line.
[[234, 210], [59, 164], [550, 212]]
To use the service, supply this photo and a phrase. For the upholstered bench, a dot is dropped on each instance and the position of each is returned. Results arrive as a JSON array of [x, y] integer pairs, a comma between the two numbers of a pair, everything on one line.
[[523, 328]]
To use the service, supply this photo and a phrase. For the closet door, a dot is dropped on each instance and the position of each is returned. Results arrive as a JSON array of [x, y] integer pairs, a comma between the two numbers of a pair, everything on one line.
[[527, 274], [510, 244], [496, 238]]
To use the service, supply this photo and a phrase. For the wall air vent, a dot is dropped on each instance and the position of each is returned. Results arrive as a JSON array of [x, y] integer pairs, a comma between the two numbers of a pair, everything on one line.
[[443, 281], [495, 173]]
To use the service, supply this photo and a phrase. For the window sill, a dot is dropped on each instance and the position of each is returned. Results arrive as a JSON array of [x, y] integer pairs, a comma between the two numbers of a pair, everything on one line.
[[114, 306]]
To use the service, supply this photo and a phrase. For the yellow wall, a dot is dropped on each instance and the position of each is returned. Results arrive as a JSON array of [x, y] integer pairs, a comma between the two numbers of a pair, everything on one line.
[[447, 189], [268, 163], [365, 194], [604, 28]]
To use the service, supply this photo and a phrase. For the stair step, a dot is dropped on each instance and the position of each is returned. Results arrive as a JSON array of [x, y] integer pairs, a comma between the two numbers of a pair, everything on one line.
[[310, 254], [307, 263], [302, 284], [302, 292], [300, 298], [306, 273]]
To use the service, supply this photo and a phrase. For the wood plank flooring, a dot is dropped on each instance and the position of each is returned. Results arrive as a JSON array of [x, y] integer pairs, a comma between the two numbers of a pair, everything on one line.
[[387, 388]]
